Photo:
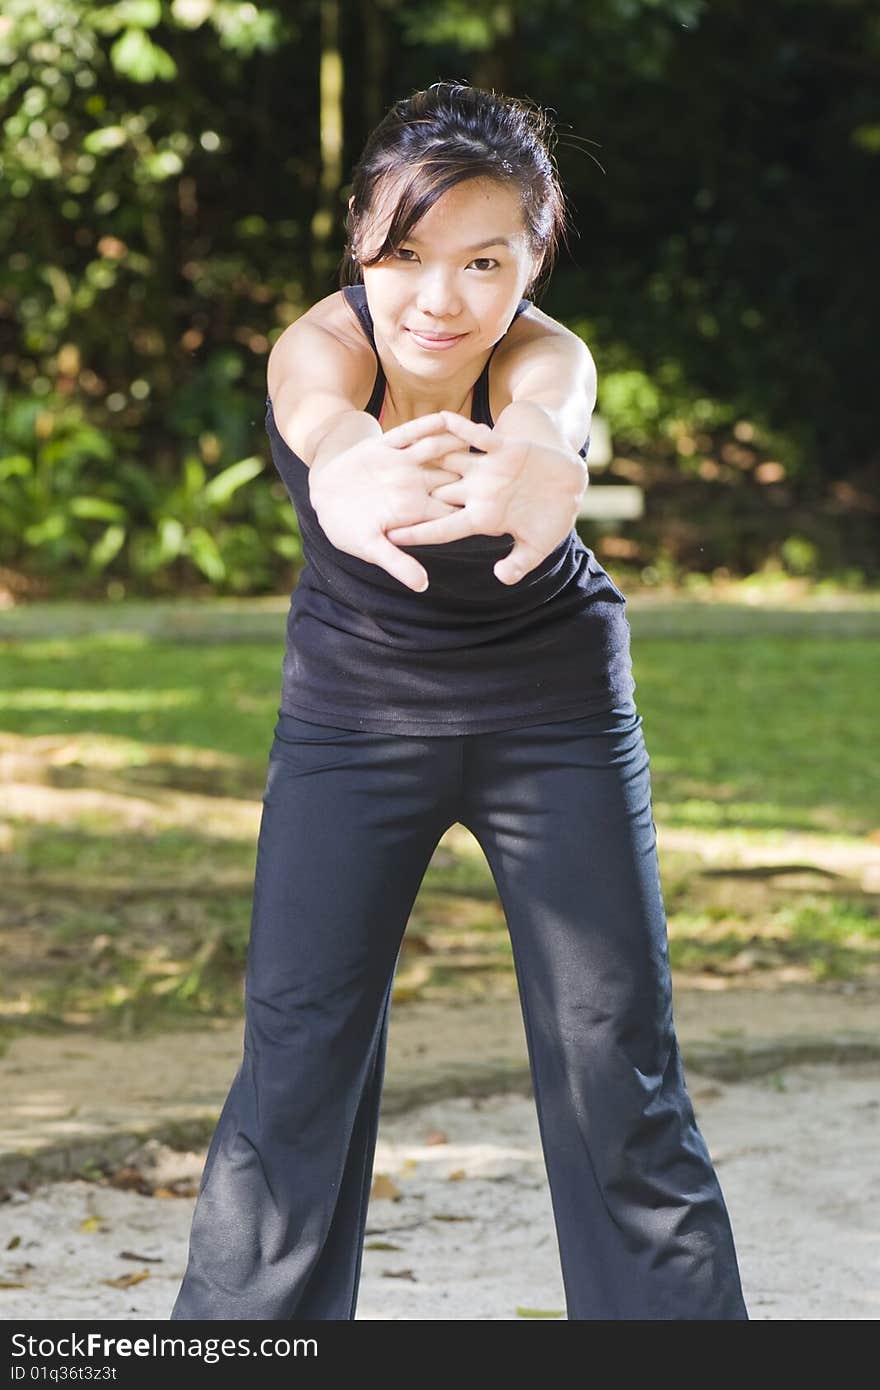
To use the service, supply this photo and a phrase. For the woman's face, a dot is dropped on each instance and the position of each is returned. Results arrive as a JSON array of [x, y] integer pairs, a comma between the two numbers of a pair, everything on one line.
[[458, 278]]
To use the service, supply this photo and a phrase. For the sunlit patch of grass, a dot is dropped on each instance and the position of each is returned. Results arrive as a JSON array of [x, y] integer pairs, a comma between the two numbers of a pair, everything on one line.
[[832, 937], [93, 701], [755, 730], [459, 874], [83, 851], [738, 813], [134, 687]]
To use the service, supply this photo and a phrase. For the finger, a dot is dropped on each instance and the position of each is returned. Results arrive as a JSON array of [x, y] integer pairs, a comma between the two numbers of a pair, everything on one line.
[[435, 477], [447, 528], [432, 510], [517, 563], [436, 445], [481, 436], [399, 565], [402, 435], [463, 462], [455, 493]]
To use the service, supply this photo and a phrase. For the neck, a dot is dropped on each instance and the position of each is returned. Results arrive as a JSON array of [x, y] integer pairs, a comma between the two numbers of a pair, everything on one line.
[[408, 396], [408, 406]]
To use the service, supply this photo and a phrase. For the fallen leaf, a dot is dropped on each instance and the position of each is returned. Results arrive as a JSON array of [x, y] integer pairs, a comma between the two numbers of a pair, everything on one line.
[[436, 1136], [457, 1174], [385, 1186], [416, 945], [130, 1180], [708, 1092], [125, 1281]]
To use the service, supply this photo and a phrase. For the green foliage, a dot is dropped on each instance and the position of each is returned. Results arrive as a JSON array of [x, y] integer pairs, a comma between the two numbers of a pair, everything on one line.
[[159, 185], [121, 454], [77, 504]]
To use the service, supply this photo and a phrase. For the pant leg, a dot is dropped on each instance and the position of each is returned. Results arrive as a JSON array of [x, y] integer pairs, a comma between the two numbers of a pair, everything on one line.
[[563, 813], [349, 824]]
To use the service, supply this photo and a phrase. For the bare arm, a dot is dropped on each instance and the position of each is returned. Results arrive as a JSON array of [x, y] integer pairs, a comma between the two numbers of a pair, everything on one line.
[[552, 384], [316, 380]]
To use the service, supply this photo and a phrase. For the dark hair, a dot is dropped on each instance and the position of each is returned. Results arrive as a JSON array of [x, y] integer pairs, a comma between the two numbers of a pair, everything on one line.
[[448, 134]]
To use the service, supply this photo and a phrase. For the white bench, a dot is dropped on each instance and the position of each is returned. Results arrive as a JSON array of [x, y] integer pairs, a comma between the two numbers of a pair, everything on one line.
[[613, 501]]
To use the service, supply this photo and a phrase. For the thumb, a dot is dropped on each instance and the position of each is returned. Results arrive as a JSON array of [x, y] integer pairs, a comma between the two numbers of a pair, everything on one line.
[[512, 568]]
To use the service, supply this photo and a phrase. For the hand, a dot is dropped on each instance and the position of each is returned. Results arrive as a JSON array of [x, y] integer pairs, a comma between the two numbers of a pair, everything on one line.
[[516, 486], [386, 482]]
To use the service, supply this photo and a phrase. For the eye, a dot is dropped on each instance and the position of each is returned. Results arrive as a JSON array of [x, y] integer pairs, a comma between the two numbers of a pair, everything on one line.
[[486, 260], [404, 251]]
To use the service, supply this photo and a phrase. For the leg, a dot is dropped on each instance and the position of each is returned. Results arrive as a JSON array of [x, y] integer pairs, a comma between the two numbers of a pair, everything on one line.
[[564, 815], [350, 821]]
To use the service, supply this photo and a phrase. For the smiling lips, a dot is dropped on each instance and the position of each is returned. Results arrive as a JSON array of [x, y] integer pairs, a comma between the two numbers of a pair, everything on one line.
[[435, 342]]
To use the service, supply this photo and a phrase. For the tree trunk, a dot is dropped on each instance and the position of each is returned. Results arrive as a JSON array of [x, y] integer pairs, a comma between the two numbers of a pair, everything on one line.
[[324, 223]]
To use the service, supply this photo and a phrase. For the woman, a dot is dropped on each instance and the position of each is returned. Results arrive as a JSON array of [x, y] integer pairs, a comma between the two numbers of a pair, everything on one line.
[[454, 654]]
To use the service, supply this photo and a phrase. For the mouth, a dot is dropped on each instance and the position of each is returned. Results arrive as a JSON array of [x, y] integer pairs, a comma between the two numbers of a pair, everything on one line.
[[435, 340]]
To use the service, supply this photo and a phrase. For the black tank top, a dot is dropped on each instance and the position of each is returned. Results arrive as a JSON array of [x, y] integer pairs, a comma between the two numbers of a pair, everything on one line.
[[470, 654]]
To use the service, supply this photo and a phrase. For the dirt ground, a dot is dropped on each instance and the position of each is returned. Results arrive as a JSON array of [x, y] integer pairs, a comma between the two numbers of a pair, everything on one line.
[[460, 1222]]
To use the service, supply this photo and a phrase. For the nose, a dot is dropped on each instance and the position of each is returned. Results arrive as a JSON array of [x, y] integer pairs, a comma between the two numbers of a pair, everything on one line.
[[437, 295]]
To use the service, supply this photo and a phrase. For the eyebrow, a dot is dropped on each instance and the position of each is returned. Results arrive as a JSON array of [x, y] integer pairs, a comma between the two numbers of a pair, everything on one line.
[[480, 246]]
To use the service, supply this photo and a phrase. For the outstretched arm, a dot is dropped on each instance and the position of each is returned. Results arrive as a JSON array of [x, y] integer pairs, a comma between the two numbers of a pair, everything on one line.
[[551, 380]]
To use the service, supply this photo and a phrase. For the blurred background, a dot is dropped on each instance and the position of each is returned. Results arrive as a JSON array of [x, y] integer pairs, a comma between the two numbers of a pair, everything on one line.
[[172, 192], [173, 182]]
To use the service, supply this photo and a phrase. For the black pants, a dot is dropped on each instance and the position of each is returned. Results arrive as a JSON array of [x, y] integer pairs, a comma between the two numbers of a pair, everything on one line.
[[350, 821]]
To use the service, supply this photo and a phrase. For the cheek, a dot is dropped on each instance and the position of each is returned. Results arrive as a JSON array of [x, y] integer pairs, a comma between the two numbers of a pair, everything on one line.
[[390, 319]]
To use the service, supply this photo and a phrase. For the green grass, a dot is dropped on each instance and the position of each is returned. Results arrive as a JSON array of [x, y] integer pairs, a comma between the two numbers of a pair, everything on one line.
[[147, 690], [758, 734], [761, 732], [92, 850], [748, 731], [834, 938]]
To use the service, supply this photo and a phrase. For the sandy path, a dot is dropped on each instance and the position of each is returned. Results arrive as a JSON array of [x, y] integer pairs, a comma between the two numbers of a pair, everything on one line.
[[796, 1155]]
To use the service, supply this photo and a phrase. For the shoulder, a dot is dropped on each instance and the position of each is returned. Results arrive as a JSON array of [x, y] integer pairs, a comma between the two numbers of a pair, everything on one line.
[[328, 337], [534, 334], [537, 345]]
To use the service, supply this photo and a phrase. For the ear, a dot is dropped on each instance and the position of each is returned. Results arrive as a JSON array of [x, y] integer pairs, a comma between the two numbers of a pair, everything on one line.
[[350, 201]]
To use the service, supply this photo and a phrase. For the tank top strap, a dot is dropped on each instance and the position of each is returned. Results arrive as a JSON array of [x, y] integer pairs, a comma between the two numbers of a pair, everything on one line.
[[356, 296], [480, 413]]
